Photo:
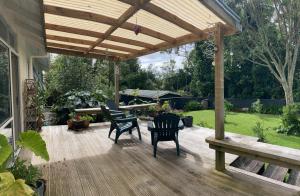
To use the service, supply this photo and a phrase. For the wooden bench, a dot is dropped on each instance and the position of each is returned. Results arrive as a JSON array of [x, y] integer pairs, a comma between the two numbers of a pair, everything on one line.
[[277, 155], [85, 111]]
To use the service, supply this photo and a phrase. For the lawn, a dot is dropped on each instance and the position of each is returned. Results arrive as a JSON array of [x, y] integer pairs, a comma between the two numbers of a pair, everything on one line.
[[242, 123]]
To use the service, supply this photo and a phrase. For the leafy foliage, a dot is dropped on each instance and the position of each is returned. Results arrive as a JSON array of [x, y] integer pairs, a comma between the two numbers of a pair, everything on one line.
[[5, 150], [71, 100], [29, 173], [35, 143], [257, 107], [192, 106], [290, 123], [260, 132], [9, 186], [228, 106]]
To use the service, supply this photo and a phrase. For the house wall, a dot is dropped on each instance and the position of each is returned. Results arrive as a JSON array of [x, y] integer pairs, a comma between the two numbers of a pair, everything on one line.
[[23, 17]]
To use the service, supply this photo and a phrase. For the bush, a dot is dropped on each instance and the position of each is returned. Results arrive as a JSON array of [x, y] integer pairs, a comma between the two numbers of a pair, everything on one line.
[[257, 107], [228, 106], [272, 109], [166, 106], [259, 131], [192, 106], [72, 100], [290, 123], [29, 173]]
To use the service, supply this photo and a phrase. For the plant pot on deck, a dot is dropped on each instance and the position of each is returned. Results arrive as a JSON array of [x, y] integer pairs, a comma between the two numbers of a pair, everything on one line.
[[40, 187], [187, 121], [78, 124]]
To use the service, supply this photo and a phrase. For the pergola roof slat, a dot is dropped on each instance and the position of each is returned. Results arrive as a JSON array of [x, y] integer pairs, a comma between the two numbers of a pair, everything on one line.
[[87, 42], [81, 27], [121, 20], [151, 8], [96, 34]]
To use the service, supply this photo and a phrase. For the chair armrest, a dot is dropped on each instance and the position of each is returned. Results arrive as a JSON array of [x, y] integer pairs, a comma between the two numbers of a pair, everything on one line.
[[150, 126], [124, 120], [115, 111], [117, 115]]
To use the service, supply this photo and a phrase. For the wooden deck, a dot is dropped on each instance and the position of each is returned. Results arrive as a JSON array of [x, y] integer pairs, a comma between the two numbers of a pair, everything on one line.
[[88, 163]]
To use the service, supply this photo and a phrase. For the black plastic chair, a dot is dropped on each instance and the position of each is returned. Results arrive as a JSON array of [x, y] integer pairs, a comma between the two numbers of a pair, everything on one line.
[[165, 129], [121, 123], [112, 105]]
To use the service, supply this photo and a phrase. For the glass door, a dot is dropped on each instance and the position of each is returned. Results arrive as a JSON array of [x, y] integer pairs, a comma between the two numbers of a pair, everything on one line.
[[6, 116]]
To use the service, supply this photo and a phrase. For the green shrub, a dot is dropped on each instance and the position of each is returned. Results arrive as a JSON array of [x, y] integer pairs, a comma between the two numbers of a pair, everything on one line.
[[290, 122], [166, 106], [29, 173], [257, 107], [192, 106], [259, 131], [272, 109], [72, 100], [228, 106]]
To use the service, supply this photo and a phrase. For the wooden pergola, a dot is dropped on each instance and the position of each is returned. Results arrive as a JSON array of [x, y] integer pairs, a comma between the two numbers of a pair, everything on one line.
[[123, 29]]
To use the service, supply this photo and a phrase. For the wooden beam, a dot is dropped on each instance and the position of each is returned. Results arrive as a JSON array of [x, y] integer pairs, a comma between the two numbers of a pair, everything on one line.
[[122, 19], [83, 49], [97, 35], [78, 53], [219, 94], [105, 20], [87, 42], [153, 9], [117, 82]]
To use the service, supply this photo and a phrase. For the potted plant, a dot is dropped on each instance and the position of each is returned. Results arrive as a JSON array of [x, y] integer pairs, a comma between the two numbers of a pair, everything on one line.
[[20, 179], [78, 122], [188, 121], [31, 174]]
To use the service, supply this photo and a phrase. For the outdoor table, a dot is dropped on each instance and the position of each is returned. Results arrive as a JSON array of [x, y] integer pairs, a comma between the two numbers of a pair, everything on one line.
[[150, 126]]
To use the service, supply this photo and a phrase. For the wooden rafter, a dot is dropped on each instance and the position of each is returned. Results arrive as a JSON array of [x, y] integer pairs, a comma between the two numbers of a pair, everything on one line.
[[83, 49], [121, 20], [87, 42], [153, 9], [78, 53], [97, 35], [105, 20]]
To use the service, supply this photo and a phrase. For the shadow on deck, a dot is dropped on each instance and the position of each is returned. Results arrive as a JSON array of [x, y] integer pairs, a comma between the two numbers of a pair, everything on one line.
[[88, 163]]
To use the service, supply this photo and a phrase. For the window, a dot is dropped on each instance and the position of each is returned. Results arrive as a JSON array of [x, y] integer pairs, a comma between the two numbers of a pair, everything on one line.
[[5, 95]]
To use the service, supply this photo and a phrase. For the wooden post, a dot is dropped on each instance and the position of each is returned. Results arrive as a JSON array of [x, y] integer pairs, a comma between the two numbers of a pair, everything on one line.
[[117, 82], [219, 94]]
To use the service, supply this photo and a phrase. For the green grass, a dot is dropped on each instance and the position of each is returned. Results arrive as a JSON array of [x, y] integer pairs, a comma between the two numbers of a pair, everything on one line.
[[242, 123]]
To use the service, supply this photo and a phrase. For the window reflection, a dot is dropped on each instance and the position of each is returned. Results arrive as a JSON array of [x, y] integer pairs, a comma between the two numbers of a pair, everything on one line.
[[5, 106]]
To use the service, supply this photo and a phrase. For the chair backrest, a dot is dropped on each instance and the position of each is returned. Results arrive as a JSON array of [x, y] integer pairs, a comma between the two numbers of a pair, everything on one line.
[[106, 113], [166, 124], [112, 105]]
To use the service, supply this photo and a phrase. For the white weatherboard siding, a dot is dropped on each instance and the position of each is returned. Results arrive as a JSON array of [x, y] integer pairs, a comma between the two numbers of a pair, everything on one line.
[[25, 21]]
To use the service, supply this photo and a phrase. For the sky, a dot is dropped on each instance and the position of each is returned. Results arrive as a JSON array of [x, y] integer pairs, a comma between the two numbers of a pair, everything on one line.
[[157, 59]]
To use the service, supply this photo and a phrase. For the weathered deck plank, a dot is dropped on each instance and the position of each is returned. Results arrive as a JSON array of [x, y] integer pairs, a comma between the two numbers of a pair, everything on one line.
[[88, 163]]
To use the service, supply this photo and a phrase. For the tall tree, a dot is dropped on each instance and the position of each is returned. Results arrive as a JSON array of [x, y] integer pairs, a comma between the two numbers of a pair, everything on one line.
[[273, 27]]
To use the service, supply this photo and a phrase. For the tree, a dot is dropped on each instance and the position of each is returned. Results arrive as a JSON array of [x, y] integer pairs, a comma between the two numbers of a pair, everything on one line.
[[273, 28]]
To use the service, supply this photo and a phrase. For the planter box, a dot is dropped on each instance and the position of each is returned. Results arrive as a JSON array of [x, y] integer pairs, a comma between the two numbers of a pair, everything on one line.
[[40, 187], [78, 125], [187, 121]]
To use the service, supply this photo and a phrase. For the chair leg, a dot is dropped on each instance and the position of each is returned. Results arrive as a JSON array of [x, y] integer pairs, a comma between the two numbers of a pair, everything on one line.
[[110, 130], [155, 148], [177, 146], [139, 132], [117, 137]]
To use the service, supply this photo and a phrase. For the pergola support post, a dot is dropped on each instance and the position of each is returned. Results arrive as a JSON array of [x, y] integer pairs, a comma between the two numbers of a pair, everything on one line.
[[117, 82], [219, 94]]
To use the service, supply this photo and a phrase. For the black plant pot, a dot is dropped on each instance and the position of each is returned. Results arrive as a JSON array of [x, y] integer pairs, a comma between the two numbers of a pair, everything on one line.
[[188, 121], [40, 187]]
